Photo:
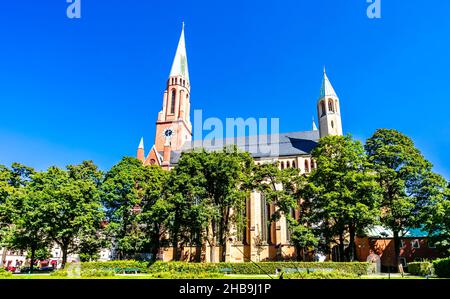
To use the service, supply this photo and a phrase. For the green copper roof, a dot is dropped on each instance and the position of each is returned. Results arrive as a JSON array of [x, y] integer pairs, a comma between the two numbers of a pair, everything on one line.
[[326, 89]]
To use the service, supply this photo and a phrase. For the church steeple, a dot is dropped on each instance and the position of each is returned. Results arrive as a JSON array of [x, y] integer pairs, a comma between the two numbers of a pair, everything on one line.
[[140, 150], [174, 119], [326, 89], [328, 109], [180, 62]]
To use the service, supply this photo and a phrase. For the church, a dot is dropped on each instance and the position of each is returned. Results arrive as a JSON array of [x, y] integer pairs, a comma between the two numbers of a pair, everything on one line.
[[261, 241]]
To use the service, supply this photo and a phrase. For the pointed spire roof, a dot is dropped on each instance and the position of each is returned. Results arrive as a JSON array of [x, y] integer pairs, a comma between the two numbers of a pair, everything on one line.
[[180, 64], [141, 144], [326, 89], [314, 126]]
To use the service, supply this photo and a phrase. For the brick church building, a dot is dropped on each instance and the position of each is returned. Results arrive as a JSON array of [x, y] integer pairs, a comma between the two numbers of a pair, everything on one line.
[[174, 135]]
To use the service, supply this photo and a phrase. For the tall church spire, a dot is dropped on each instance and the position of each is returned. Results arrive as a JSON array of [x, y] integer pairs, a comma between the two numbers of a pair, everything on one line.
[[328, 109], [174, 119], [180, 64], [327, 89]]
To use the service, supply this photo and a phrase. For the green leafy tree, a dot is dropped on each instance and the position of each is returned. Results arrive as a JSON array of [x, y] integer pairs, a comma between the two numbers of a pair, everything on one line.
[[27, 229], [41, 254], [282, 189], [407, 182], [72, 206], [437, 215], [131, 194], [343, 191], [207, 187]]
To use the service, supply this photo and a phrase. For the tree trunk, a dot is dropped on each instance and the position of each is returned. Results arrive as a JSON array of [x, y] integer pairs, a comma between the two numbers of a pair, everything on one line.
[[341, 247], [396, 249], [4, 252], [351, 245], [223, 235], [64, 250], [32, 258]]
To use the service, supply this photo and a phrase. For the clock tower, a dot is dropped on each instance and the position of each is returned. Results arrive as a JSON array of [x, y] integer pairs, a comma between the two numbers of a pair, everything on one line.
[[173, 127]]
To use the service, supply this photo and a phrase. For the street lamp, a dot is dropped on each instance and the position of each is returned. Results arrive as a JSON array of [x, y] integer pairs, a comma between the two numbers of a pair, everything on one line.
[[385, 235]]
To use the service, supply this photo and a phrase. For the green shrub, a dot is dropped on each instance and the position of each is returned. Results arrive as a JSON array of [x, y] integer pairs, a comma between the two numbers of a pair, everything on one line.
[[420, 268], [186, 275], [261, 268], [4, 273], [60, 273], [116, 265], [442, 267], [97, 273], [320, 275]]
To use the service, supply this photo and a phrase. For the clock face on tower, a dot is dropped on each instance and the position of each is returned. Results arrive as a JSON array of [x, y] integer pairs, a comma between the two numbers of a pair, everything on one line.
[[168, 133]]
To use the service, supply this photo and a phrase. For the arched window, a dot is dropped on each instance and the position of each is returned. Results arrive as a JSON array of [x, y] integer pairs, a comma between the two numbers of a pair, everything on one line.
[[282, 165], [293, 164], [306, 166], [332, 124], [265, 219], [322, 107], [152, 161], [288, 164], [172, 105], [330, 105]]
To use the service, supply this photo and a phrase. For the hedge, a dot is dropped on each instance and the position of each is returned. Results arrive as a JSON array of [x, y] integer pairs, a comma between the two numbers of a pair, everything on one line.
[[321, 275], [442, 267], [420, 268], [116, 265], [185, 275], [247, 268], [260, 268], [4, 273]]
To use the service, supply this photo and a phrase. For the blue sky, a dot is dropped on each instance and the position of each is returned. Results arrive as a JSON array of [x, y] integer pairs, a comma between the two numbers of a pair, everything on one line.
[[89, 88]]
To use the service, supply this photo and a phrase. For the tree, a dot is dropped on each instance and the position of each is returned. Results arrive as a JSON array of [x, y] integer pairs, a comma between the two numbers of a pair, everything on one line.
[[131, 194], [72, 206], [212, 186], [403, 173], [342, 191], [5, 192], [436, 218], [283, 189], [24, 210]]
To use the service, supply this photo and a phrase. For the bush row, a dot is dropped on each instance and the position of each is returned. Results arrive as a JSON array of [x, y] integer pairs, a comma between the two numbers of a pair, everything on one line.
[[143, 267], [236, 268], [258, 268], [320, 275], [186, 275], [442, 267], [84, 273], [420, 268]]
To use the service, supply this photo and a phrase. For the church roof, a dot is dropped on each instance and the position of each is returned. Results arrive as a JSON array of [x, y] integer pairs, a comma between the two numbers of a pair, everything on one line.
[[285, 145], [379, 231], [326, 89], [180, 63]]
